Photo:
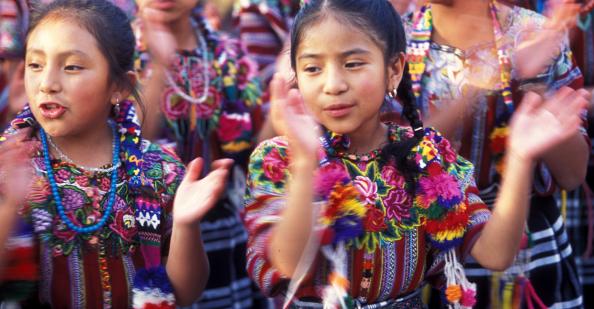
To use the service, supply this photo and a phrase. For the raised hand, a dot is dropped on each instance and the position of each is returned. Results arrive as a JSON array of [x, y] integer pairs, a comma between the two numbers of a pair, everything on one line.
[[538, 125], [158, 37], [536, 49], [195, 196], [16, 171], [292, 119]]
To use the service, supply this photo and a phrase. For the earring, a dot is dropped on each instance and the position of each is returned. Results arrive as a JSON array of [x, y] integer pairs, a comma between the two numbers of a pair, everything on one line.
[[393, 93], [116, 106]]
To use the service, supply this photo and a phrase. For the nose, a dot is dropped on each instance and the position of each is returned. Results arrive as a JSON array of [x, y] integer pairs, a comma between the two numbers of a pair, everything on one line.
[[334, 83], [50, 81]]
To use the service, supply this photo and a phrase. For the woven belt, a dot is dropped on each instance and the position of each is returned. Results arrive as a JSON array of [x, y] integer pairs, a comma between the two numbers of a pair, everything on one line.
[[409, 301]]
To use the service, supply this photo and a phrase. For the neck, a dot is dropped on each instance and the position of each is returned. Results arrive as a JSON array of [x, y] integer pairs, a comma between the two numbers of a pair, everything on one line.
[[462, 24], [184, 33], [91, 149], [368, 137]]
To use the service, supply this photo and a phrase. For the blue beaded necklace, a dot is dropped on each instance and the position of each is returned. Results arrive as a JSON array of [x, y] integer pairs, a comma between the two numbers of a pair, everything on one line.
[[56, 194]]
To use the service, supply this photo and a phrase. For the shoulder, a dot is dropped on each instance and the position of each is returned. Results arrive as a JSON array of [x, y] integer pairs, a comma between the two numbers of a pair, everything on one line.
[[519, 19], [162, 167]]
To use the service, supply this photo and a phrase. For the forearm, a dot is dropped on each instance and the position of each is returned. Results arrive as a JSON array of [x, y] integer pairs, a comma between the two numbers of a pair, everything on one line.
[[291, 233], [500, 238], [568, 162], [187, 264], [152, 92], [8, 218]]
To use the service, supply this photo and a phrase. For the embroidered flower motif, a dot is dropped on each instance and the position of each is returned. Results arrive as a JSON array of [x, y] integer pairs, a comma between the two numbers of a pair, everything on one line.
[[274, 166], [328, 176], [397, 205], [374, 220], [72, 199], [367, 188], [446, 151], [391, 176], [438, 186], [124, 225], [62, 176], [40, 190], [232, 126]]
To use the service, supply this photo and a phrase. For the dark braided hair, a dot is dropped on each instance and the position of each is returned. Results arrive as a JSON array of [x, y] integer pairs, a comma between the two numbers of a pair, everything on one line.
[[107, 23], [382, 23]]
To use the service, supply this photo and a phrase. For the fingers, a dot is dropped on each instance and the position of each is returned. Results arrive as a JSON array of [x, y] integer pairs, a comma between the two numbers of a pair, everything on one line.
[[194, 170], [278, 88], [530, 103], [222, 164], [295, 102]]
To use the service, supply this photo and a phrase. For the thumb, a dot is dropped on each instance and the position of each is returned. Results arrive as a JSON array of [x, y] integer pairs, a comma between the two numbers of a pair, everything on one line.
[[194, 170]]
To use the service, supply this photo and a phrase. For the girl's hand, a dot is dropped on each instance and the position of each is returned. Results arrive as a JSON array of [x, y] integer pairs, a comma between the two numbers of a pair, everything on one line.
[[536, 49], [293, 119], [539, 125], [16, 171], [159, 38], [195, 196]]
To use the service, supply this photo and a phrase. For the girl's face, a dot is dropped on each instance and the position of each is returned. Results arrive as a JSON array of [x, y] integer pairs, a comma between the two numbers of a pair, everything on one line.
[[66, 79], [342, 76], [169, 10]]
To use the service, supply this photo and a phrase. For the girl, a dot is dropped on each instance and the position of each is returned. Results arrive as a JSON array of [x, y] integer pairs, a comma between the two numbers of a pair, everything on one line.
[[392, 207], [98, 228], [447, 58], [203, 89]]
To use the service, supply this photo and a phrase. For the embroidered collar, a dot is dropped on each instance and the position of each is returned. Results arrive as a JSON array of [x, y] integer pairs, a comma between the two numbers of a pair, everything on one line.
[[131, 142], [337, 145]]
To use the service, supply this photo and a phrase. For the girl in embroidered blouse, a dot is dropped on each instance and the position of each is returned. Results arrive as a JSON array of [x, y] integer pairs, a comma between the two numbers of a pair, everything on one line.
[[100, 227], [202, 87], [390, 207]]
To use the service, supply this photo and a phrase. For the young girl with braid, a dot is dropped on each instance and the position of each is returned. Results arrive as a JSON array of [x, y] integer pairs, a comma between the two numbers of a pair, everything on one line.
[[99, 227], [347, 211]]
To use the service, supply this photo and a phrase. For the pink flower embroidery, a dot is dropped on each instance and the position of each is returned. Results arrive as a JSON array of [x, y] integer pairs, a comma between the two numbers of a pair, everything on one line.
[[327, 177], [367, 188], [391, 176], [40, 190], [397, 205], [232, 126], [442, 186], [274, 166], [446, 151]]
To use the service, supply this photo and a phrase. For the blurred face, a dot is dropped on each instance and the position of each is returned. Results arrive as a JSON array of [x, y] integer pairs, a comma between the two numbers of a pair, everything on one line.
[[342, 76], [66, 79], [168, 10]]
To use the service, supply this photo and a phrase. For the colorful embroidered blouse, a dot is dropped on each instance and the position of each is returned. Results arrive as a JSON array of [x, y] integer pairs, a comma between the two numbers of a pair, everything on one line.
[[73, 266], [233, 92], [450, 71], [398, 248]]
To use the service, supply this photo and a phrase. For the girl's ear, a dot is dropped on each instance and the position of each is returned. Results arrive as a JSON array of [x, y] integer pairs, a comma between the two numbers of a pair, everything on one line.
[[395, 71], [124, 91]]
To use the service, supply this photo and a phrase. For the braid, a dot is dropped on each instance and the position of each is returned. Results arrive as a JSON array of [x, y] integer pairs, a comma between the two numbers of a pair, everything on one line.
[[399, 152], [409, 110]]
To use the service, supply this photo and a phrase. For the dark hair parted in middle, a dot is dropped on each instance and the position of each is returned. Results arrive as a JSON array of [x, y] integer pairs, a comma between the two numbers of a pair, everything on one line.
[[107, 23], [379, 20]]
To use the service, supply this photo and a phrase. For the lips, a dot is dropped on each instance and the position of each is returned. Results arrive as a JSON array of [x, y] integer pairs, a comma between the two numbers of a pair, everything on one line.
[[51, 110], [163, 4], [338, 110]]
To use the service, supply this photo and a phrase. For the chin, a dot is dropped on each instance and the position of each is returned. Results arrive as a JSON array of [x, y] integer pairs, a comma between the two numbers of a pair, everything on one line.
[[340, 127]]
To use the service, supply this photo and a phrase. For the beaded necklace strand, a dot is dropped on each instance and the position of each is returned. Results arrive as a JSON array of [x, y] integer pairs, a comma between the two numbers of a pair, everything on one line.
[[55, 193], [205, 75], [64, 157]]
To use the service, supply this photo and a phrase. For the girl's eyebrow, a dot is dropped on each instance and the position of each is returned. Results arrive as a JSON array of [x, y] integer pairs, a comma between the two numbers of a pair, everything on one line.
[[354, 51], [73, 52]]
